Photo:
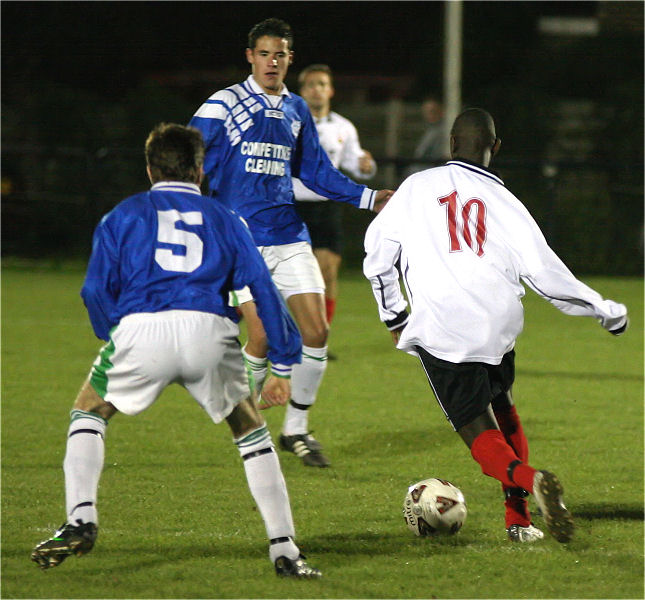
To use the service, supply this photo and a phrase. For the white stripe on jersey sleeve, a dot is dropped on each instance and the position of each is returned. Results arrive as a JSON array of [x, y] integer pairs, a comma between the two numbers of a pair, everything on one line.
[[367, 199], [212, 111]]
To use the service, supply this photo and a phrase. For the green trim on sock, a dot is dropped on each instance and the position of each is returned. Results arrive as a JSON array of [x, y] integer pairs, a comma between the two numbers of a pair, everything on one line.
[[84, 414], [258, 363], [255, 365], [253, 437], [318, 358]]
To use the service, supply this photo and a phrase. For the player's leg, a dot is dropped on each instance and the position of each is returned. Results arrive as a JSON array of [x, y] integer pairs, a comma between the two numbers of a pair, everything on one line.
[[464, 393], [264, 477], [214, 374], [297, 275], [268, 488], [498, 459], [325, 224], [128, 375], [308, 312], [82, 466], [518, 516], [329, 262]]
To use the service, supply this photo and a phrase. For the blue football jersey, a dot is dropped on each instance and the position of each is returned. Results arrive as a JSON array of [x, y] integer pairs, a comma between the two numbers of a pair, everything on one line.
[[171, 248], [255, 143]]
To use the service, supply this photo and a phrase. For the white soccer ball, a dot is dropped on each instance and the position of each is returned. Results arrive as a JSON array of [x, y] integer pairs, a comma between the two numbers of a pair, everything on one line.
[[434, 507]]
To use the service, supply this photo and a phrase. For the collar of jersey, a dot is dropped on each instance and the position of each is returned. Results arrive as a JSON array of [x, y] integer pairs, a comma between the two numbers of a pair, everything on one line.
[[326, 119], [255, 87], [471, 166], [176, 186]]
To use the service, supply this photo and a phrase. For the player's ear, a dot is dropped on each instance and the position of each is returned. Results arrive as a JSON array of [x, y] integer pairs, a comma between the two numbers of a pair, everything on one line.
[[495, 148], [249, 55], [452, 145], [290, 57]]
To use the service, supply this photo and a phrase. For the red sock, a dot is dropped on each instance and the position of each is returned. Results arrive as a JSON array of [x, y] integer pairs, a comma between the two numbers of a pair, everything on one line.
[[330, 306], [494, 456], [511, 426], [516, 507], [516, 511]]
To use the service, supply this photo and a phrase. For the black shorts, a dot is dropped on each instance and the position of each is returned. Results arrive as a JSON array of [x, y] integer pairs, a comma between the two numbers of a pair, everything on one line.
[[464, 390], [324, 220]]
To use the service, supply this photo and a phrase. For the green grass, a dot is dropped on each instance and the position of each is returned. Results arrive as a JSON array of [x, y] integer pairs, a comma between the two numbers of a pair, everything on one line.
[[177, 520]]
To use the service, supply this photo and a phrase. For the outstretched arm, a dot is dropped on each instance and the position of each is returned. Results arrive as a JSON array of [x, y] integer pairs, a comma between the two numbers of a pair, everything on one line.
[[383, 250], [545, 273]]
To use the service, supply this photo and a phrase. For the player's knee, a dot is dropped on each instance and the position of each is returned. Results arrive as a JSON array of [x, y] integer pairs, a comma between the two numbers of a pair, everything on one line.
[[315, 334], [88, 400], [245, 417]]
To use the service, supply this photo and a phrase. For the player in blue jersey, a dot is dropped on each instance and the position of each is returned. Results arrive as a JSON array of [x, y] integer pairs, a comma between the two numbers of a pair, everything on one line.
[[163, 263], [258, 135]]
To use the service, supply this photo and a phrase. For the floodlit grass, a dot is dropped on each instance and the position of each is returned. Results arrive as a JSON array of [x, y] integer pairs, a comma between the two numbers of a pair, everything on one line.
[[177, 520]]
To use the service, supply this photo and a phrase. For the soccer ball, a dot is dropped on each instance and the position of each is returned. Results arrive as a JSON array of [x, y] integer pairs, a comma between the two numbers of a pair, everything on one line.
[[434, 507]]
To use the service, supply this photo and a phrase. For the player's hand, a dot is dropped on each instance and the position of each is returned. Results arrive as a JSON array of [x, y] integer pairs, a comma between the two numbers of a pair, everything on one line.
[[380, 199], [620, 330], [365, 163], [276, 392], [396, 334], [616, 325]]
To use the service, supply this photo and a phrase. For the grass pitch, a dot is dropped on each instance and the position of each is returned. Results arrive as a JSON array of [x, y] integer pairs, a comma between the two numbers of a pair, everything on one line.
[[177, 520]]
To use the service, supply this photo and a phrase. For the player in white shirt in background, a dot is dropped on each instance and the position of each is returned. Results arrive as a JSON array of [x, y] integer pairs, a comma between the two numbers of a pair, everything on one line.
[[339, 138], [464, 244]]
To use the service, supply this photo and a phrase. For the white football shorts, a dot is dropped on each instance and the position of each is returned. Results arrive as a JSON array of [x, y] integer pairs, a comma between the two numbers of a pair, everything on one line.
[[294, 270], [149, 351]]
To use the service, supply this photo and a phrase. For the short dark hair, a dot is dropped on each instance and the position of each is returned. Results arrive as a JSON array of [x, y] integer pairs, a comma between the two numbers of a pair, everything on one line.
[[174, 153], [316, 68], [473, 130], [272, 27]]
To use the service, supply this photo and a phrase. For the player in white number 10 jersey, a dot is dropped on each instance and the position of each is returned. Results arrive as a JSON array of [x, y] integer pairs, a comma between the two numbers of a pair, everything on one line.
[[464, 244], [163, 263]]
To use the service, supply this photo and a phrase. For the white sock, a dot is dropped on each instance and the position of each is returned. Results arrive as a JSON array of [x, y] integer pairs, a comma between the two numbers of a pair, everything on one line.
[[83, 465], [256, 371], [305, 381], [269, 491], [283, 547]]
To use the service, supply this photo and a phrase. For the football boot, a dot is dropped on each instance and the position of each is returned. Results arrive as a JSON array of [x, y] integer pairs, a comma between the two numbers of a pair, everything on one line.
[[548, 493], [285, 567], [69, 539], [530, 534], [305, 447]]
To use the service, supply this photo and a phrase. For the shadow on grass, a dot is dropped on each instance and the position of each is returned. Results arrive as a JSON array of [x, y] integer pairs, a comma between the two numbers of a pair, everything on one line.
[[385, 443], [346, 544], [373, 544], [591, 512], [579, 375]]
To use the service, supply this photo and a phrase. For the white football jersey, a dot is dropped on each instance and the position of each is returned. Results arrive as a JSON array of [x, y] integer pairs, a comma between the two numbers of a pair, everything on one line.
[[465, 243], [339, 139]]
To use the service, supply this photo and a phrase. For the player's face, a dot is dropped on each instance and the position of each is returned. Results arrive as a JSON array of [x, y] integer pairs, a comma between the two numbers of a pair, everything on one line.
[[431, 111], [270, 60], [317, 90]]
